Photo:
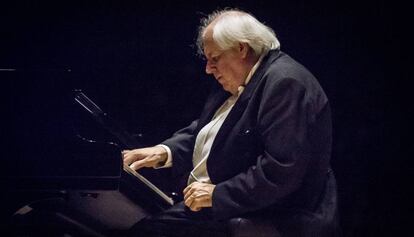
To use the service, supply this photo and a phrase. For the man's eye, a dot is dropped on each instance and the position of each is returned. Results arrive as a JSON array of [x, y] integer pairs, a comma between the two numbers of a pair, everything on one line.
[[214, 59]]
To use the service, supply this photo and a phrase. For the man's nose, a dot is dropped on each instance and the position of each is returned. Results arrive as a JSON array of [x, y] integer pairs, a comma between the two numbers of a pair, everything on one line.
[[209, 68]]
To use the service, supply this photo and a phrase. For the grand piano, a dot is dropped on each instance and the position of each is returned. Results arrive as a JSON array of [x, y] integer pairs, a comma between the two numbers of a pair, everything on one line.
[[63, 175]]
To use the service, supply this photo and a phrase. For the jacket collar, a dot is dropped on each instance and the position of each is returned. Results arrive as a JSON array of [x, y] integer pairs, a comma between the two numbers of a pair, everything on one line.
[[250, 87], [242, 102]]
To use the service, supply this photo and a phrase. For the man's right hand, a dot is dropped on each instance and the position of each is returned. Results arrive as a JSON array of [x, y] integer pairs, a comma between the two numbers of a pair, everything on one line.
[[145, 157]]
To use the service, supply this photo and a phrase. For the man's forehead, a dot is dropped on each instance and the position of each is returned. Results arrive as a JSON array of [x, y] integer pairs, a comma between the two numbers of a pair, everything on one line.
[[209, 46], [208, 32]]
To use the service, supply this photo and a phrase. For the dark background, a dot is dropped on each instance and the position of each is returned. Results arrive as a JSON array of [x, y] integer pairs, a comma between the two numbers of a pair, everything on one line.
[[138, 61]]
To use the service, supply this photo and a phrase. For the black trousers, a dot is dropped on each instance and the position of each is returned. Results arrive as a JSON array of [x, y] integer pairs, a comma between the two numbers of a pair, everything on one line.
[[180, 221], [270, 222]]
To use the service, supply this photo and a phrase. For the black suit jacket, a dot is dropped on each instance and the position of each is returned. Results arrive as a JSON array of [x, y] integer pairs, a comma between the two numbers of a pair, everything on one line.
[[272, 152]]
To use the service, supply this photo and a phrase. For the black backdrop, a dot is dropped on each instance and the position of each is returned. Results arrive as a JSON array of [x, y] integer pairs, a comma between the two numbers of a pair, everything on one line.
[[138, 61]]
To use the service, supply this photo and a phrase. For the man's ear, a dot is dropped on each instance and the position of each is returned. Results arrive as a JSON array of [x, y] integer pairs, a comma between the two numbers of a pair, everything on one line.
[[244, 49]]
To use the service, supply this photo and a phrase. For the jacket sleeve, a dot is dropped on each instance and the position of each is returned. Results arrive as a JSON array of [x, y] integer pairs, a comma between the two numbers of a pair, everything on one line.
[[279, 170], [181, 145]]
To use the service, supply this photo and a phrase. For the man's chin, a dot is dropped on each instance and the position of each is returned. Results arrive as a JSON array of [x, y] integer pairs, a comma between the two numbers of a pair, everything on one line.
[[229, 90], [225, 88]]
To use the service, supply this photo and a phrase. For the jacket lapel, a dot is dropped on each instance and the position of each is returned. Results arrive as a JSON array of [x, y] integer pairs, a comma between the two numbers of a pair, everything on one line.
[[241, 103]]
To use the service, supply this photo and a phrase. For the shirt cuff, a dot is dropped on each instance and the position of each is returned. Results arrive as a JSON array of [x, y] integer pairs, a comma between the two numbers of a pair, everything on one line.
[[168, 162]]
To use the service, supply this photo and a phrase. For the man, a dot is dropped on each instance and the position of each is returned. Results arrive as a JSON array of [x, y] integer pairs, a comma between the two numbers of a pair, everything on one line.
[[261, 147]]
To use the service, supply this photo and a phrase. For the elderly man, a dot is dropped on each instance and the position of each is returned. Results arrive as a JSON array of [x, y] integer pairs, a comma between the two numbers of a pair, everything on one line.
[[259, 153]]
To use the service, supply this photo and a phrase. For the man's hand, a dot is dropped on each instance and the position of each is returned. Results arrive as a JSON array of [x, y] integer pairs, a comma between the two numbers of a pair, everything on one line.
[[145, 157], [198, 195]]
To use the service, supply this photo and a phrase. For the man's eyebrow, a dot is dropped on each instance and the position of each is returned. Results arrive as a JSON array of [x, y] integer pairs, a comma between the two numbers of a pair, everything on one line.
[[213, 54]]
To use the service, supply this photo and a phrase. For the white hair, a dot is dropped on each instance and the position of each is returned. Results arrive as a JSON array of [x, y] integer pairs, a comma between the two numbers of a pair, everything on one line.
[[232, 27]]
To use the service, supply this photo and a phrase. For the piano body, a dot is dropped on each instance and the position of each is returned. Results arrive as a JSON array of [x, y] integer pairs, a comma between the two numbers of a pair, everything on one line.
[[63, 174]]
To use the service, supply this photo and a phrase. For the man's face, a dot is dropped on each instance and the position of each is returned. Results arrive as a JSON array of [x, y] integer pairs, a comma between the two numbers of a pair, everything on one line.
[[226, 66]]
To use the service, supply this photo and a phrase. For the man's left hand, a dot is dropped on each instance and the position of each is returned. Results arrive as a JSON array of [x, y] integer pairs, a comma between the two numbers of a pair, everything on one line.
[[198, 195]]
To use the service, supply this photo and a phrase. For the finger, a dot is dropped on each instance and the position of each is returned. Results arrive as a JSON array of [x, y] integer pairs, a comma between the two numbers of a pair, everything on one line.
[[195, 209], [195, 199], [189, 192], [193, 205], [187, 188], [200, 201], [189, 201], [138, 164], [201, 195], [192, 187], [128, 158], [188, 196], [196, 204]]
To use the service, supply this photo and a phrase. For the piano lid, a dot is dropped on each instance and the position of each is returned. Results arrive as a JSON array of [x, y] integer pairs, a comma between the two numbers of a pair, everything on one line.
[[125, 139], [41, 127]]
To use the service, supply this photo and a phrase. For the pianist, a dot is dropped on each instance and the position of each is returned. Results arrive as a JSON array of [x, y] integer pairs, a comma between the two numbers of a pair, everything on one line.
[[260, 149]]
